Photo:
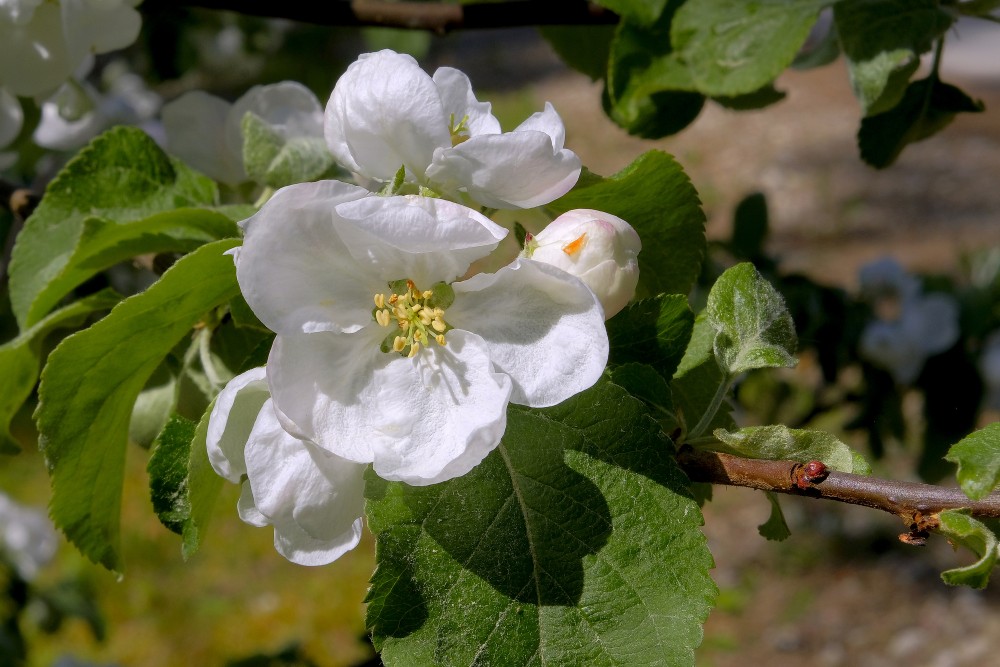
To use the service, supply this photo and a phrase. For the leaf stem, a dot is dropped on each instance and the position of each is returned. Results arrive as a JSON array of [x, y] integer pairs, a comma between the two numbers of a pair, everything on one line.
[[713, 407], [908, 500]]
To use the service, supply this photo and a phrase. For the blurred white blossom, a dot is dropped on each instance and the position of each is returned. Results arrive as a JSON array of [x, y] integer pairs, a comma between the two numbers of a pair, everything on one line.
[[909, 326], [989, 367], [206, 131], [28, 541]]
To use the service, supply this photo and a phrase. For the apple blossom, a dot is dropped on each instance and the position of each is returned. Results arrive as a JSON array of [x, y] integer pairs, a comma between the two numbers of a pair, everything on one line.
[[27, 539], [44, 43], [909, 325], [314, 499], [379, 357], [386, 113], [206, 131], [598, 248]]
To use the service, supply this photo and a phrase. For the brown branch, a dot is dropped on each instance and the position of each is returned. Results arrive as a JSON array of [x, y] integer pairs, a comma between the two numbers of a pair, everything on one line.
[[914, 503], [439, 17]]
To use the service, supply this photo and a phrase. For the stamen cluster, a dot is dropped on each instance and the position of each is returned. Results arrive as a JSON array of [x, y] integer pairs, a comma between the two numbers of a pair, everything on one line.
[[419, 314]]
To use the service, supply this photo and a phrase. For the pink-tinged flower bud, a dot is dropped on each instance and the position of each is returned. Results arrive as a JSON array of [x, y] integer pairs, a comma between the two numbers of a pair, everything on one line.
[[598, 248]]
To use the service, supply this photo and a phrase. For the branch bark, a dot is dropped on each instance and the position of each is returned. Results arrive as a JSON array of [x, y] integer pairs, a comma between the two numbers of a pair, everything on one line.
[[914, 503], [439, 17]]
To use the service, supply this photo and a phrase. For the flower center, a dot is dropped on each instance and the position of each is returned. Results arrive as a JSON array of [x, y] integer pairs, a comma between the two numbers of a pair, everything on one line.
[[418, 316], [460, 131]]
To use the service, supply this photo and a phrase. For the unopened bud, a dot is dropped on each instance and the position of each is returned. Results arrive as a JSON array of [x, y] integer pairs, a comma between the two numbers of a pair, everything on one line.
[[598, 248]]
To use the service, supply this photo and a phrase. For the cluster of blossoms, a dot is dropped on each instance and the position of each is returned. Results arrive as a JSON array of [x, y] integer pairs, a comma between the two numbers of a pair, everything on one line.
[[387, 353], [44, 43], [910, 326]]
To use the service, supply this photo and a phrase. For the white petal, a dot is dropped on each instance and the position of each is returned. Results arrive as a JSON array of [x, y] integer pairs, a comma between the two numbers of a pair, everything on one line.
[[33, 56], [247, 509], [460, 102], [423, 239], [294, 269], [231, 421], [931, 321], [549, 122], [313, 498], [11, 118], [385, 112], [420, 421], [543, 327], [56, 133], [511, 170], [195, 124], [93, 28], [287, 106]]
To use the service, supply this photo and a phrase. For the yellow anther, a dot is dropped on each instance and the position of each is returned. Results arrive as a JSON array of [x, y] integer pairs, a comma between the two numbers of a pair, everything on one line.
[[393, 299], [439, 325], [416, 307], [380, 300], [439, 312], [413, 350], [382, 317], [421, 337], [440, 339], [425, 319], [398, 344], [428, 294], [574, 247]]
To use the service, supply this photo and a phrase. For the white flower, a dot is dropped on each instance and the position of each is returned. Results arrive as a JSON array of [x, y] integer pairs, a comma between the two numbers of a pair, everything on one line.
[[206, 131], [314, 499], [886, 279], [598, 248], [378, 359], [27, 539], [385, 113], [927, 325], [43, 43], [64, 128]]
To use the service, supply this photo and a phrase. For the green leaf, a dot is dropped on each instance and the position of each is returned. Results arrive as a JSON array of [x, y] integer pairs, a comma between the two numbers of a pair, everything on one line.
[[576, 542], [758, 99], [21, 358], [121, 177], [183, 485], [649, 90], [584, 48], [91, 382], [883, 41], [780, 443], [750, 227], [927, 107], [641, 11], [978, 460], [754, 329], [735, 47], [655, 196], [167, 470], [697, 381], [775, 528], [646, 384], [153, 406], [275, 160], [960, 528], [652, 331]]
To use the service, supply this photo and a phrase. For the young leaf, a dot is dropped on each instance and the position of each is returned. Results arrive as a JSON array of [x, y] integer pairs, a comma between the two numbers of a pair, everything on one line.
[[167, 470], [21, 358], [576, 542], [91, 382], [754, 329], [960, 528], [641, 11], [182, 483], [655, 196], [780, 443], [883, 41], [734, 47], [653, 331], [927, 107], [122, 176], [584, 48], [272, 159], [978, 460], [775, 528]]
